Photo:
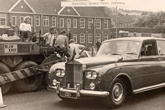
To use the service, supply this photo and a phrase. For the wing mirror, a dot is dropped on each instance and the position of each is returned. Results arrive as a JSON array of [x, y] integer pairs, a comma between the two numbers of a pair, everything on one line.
[[120, 59]]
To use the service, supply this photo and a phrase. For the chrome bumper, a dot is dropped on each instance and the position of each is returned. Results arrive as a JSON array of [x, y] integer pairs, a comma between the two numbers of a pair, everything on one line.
[[79, 92]]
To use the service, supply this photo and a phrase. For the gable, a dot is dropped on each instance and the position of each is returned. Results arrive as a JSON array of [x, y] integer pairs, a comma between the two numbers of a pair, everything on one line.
[[68, 11], [22, 7]]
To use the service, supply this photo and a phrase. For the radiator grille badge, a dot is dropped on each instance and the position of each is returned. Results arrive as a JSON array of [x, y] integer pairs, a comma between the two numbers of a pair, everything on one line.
[[78, 90], [68, 85]]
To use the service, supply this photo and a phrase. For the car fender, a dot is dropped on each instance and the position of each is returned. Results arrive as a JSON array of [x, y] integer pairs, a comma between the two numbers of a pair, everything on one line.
[[108, 75], [60, 65]]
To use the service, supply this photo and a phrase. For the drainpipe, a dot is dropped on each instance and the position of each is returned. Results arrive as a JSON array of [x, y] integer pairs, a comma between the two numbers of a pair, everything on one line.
[[42, 24], [94, 31], [57, 25], [86, 42]]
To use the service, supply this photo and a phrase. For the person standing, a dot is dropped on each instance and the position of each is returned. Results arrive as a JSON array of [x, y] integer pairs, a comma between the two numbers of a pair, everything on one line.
[[62, 43], [25, 29], [98, 43], [50, 37]]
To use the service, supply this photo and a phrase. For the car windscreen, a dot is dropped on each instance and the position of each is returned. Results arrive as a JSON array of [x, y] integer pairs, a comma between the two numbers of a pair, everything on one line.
[[118, 47]]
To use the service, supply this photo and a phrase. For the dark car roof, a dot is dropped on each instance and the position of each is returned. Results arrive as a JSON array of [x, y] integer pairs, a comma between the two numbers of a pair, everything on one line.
[[140, 39]]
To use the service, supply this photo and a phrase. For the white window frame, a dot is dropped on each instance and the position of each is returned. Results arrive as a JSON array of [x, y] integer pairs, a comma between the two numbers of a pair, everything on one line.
[[82, 22], [61, 21], [3, 18], [98, 37], [82, 35], [38, 18], [75, 37], [90, 37], [90, 23], [21, 20], [105, 24], [74, 23], [69, 23], [14, 21], [98, 24], [54, 21], [105, 36], [46, 19]]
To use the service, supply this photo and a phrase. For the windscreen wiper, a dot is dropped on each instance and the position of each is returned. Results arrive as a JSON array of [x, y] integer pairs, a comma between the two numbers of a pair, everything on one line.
[[132, 53], [115, 53]]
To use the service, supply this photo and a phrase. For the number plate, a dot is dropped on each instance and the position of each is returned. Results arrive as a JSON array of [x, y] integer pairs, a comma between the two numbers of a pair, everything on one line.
[[10, 48], [68, 95]]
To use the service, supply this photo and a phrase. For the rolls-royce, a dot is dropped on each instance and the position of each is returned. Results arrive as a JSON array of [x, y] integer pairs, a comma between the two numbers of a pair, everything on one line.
[[121, 66]]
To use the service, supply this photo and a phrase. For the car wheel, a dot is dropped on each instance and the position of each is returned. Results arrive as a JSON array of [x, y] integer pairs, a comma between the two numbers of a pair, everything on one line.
[[31, 83], [117, 94]]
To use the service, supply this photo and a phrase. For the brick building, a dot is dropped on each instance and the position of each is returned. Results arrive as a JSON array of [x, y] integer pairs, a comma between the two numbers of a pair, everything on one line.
[[83, 23]]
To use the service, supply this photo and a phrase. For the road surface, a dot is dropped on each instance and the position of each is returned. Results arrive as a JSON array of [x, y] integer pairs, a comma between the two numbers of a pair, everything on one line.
[[46, 100]]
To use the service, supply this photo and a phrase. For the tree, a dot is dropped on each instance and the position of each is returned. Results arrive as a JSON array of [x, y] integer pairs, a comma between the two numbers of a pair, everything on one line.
[[152, 20]]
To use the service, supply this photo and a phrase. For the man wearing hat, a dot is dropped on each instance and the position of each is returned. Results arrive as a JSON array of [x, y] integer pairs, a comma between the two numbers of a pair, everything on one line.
[[25, 29]]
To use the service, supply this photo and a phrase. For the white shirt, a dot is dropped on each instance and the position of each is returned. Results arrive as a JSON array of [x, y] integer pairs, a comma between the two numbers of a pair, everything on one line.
[[76, 47], [49, 38], [25, 27]]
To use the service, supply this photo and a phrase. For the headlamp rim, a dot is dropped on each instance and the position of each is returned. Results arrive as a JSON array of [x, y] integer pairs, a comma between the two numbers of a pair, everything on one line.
[[92, 74], [61, 71]]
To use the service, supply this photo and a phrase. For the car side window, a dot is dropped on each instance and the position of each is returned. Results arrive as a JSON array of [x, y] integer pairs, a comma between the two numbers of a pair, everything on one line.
[[148, 48], [161, 47]]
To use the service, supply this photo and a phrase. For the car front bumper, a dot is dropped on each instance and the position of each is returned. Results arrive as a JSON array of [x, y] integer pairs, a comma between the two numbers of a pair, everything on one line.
[[76, 93]]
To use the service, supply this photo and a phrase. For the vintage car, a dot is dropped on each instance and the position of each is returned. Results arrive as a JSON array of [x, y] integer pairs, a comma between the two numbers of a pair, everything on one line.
[[121, 66]]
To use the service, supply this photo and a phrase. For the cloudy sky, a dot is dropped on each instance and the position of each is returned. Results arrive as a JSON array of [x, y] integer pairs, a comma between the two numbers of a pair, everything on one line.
[[147, 5]]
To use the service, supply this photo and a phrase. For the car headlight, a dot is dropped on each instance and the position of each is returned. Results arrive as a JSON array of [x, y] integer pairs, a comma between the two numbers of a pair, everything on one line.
[[91, 74], [92, 86], [54, 82], [60, 73]]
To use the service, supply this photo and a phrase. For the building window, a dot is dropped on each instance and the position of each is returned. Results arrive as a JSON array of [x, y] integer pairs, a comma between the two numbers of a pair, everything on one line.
[[98, 24], [14, 20], [68, 23], [98, 36], [105, 24], [105, 36], [37, 20], [82, 23], [3, 19], [90, 23], [61, 22], [21, 19], [82, 38], [46, 20], [54, 21], [75, 38], [74, 23], [89, 37]]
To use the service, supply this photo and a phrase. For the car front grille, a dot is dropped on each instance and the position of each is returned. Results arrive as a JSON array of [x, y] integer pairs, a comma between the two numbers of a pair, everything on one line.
[[74, 73]]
